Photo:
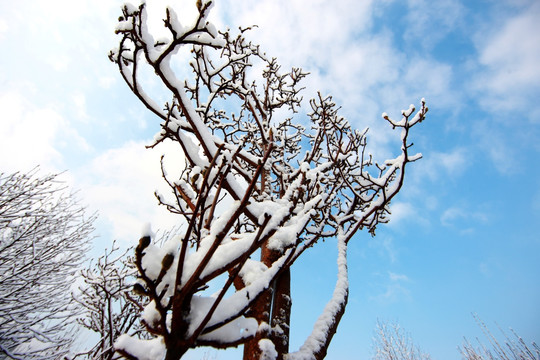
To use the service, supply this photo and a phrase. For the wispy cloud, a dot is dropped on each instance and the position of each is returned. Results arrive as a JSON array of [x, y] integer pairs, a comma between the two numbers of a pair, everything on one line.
[[450, 164], [394, 289], [405, 213], [467, 220], [509, 76], [397, 277], [433, 20], [385, 247]]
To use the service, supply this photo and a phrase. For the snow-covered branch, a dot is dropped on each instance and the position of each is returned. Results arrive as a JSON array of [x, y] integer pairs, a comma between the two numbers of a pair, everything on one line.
[[44, 234], [257, 190]]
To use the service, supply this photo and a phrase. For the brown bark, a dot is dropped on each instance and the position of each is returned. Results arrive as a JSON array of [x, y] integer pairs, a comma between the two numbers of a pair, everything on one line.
[[176, 353], [281, 313], [260, 311], [273, 308]]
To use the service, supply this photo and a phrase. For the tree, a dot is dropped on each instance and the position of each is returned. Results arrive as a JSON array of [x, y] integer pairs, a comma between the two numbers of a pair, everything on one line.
[[257, 191], [44, 234], [507, 349], [108, 308], [391, 342]]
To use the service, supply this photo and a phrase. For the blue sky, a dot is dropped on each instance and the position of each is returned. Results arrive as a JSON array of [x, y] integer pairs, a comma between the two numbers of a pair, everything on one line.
[[463, 237]]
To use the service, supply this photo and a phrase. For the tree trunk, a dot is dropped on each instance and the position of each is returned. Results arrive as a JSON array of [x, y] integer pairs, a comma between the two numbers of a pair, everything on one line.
[[274, 308], [260, 310], [281, 313], [175, 353]]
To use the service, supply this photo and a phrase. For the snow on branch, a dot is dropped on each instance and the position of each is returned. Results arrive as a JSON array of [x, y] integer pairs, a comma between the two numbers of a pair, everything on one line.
[[257, 190], [44, 234]]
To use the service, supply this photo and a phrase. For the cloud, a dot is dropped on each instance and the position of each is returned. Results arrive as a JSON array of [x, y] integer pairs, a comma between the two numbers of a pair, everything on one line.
[[397, 277], [449, 164], [34, 135], [348, 56], [120, 184], [463, 218], [384, 245], [502, 145], [432, 20], [394, 289], [404, 214], [3, 28], [509, 76]]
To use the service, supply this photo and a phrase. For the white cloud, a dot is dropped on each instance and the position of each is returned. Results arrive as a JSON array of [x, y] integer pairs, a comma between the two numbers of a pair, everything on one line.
[[34, 136], [362, 69], [79, 100], [430, 79], [59, 62], [462, 217], [106, 82], [3, 28], [401, 211], [393, 289], [433, 20], [393, 292], [299, 32], [404, 214], [397, 277], [120, 184], [509, 77], [450, 164]]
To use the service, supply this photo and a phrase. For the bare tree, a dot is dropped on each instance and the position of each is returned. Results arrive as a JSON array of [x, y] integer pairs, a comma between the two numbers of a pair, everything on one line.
[[391, 342], [258, 190], [108, 308], [44, 235], [507, 349]]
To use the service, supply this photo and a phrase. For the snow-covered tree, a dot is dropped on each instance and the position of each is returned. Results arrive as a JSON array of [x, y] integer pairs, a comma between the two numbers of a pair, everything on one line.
[[392, 342], [109, 309], [44, 235], [257, 191], [511, 348]]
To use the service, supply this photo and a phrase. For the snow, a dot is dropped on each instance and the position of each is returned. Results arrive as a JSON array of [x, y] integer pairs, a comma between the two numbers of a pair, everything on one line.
[[130, 8], [125, 25], [151, 261], [286, 217], [417, 117], [147, 230], [237, 329], [318, 336], [409, 111], [153, 52], [268, 350], [153, 349], [235, 303], [150, 314], [251, 271], [175, 22]]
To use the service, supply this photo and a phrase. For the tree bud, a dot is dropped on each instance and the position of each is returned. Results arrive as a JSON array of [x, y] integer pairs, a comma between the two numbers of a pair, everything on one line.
[[167, 261], [144, 242], [139, 289]]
